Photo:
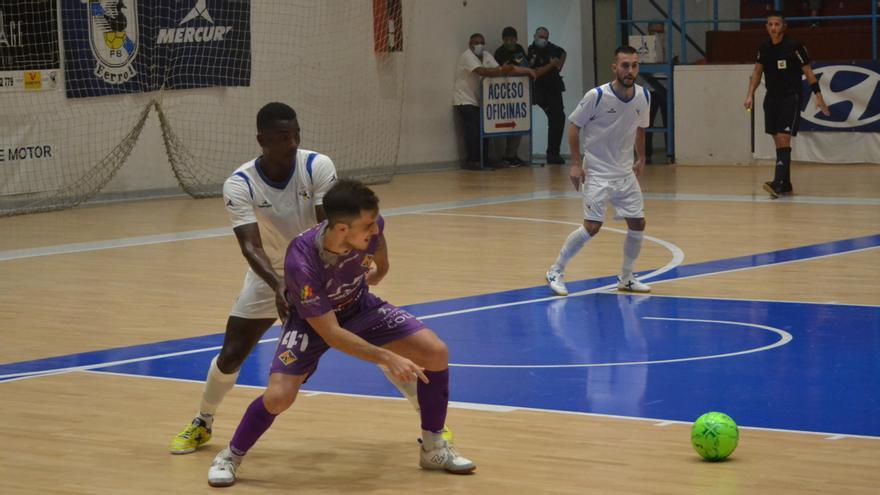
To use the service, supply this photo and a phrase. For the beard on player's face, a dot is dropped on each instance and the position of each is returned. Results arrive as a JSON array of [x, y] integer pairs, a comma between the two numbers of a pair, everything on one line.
[[626, 80]]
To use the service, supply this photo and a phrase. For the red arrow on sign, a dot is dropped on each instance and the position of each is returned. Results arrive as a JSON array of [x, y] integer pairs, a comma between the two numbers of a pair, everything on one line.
[[500, 125]]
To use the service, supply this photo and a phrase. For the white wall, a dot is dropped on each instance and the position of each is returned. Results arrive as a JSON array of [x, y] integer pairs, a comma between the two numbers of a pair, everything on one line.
[[439, 35], [711, 124], [563, 19]]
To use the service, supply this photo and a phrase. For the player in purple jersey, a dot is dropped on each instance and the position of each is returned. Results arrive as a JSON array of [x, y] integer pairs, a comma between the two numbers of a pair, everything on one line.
[[327, 271], [270, 199]]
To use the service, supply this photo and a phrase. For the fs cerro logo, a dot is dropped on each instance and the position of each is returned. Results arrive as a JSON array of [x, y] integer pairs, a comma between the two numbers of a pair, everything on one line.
[[848, 91], [199, 28], [113, 37]]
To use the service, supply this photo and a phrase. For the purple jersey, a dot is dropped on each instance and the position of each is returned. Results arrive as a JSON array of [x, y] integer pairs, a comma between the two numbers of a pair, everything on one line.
[[319, 281]]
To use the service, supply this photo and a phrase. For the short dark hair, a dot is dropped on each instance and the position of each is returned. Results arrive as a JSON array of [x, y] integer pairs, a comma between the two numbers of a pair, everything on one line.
[[624, 49], [345, 201], [509, 32], [475, 35], [776, 13], [273, 112]]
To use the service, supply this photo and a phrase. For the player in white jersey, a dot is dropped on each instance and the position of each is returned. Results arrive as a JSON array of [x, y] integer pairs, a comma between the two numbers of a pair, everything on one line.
[[270, 200], [613, 117]]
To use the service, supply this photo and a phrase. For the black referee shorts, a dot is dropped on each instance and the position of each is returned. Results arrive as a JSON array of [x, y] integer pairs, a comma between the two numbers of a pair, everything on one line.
[[782, 114]]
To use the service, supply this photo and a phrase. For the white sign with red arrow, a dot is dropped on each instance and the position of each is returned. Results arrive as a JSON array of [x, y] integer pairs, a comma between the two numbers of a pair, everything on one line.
[[506, 105]]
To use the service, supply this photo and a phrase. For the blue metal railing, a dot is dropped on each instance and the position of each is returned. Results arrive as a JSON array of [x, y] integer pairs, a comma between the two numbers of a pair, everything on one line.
[[625, 25]]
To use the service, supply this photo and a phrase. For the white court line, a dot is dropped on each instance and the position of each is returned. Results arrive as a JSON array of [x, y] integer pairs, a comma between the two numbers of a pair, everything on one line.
[[124, 242], [82, 247], [29, 374], [507, 409], [783, 301], [733, 270], [785, 338], [677, 258]]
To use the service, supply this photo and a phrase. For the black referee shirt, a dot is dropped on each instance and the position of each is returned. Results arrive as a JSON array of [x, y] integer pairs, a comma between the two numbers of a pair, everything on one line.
[[782, 66]]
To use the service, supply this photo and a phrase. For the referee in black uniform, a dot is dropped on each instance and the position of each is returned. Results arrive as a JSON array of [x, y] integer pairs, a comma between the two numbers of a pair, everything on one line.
[[783, 60]]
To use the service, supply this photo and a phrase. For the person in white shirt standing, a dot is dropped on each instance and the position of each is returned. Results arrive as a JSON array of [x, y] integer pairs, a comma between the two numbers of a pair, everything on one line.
[[613, 117], [474, 63]]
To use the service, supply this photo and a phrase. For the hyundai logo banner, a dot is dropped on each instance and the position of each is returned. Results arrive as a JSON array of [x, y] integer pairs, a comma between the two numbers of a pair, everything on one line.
[[130, 46], [852, 93]]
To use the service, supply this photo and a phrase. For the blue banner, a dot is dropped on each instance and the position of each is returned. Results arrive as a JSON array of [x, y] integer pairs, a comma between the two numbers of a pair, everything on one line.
[[852, 93], [131, 46]]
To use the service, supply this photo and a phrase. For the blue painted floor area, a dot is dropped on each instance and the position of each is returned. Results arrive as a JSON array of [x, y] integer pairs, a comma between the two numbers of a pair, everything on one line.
[[793, 366]]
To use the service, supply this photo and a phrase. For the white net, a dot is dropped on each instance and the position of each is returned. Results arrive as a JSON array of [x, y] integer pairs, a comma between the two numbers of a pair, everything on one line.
[[338, 63]]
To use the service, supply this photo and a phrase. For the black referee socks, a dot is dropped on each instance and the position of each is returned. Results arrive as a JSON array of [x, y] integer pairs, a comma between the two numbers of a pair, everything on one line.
[[783, 166]]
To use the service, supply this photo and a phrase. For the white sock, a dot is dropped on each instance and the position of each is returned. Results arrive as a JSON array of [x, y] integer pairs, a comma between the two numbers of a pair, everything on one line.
[[573, 244], [431, 440], [408, 390], [631, 248], [217, 385]]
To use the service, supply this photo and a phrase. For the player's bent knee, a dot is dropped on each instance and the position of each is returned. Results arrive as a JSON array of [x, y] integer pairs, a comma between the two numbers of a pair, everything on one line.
[[231, 357], [638, 224], [436, 355], [592, 227], [279, 397]]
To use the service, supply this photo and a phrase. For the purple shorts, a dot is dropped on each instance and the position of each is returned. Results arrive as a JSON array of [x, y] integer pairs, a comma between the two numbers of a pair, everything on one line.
[[377, 322]]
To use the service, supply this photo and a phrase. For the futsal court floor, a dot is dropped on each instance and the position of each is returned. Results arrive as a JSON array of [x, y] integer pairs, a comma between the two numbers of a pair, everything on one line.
[[767, 310]]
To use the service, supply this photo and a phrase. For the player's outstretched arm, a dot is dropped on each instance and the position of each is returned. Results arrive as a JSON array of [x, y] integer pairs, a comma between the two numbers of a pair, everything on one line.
[[576, 174], [639, 165], [337, 337], [814, 85], [380, 263], [754, 81], [251, 244]]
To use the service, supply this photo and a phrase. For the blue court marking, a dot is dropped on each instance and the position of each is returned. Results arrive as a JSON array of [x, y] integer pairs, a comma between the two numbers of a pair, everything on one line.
[[577, 354]]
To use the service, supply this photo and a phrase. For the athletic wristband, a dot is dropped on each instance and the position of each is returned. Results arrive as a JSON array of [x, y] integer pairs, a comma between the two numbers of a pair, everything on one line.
[[815, 87]]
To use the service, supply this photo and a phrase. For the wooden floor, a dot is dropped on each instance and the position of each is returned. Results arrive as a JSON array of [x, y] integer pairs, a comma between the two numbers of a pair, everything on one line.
[[85, 432]]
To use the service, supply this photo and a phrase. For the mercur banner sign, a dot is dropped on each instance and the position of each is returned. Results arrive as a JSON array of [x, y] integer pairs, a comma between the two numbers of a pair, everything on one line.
[[28, 45], [852, 93], [506, 105], [129, 46], [201, 43]]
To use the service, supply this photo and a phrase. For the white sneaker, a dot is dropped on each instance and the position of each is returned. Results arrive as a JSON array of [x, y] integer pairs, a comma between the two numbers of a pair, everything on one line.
[[444, 457], [554, 280], [222, 471], [632, 284]]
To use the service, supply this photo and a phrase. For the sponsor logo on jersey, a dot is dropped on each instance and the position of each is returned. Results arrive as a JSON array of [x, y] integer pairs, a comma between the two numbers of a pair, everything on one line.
[[113, 37], [611, 111], [200, 28], [264, 204], [287, 357], [368, 260], [306, 293], [781, 64], [305, 194]]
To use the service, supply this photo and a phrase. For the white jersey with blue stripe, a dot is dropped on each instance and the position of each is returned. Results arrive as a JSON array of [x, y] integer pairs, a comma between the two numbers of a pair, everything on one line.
[[281, 209], [608, 129]]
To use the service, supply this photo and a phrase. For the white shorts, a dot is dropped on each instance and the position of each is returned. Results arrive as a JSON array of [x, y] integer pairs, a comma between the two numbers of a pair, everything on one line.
[[256, 300], [625, 194]]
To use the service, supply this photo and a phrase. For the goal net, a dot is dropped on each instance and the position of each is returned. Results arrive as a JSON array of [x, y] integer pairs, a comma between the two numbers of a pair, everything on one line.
[[339, 63]]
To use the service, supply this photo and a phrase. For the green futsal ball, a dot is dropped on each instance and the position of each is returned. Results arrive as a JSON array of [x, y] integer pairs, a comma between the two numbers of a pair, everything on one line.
[[714, 436]]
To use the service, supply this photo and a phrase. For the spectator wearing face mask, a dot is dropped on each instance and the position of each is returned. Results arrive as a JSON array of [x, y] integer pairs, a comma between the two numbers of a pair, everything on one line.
[[547, 60], [511, 53], [473, 64]]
